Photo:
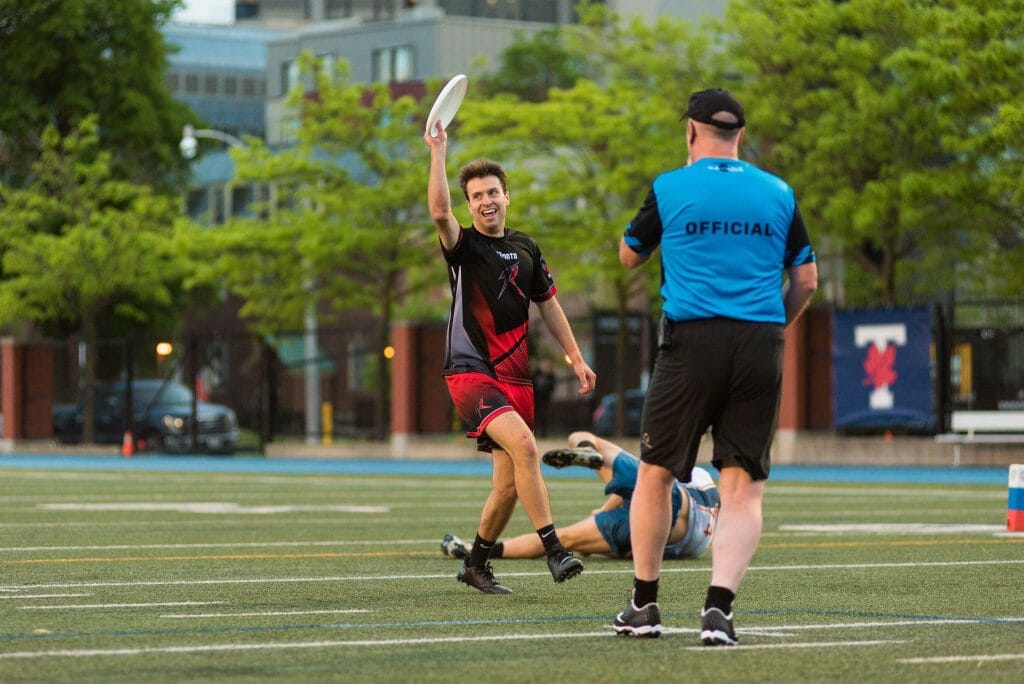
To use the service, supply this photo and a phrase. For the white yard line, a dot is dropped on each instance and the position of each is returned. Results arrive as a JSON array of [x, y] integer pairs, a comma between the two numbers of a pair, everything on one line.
[[981, 658], [384, 482], [208, 507], [124, 547], [203, 522], [766, 631], [894, 528], [626, 569], [267, 614], [39, 596], [126, 605], [825, 492], [215, 648]]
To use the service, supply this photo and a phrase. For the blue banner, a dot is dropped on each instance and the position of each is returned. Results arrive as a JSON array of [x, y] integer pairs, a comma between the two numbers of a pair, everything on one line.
[[882, 369]]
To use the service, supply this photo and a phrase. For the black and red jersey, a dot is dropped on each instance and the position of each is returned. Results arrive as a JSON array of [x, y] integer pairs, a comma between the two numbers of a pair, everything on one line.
[[493, 281]]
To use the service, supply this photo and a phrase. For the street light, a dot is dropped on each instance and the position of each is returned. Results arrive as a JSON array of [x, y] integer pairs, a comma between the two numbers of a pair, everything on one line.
[[189, 145]]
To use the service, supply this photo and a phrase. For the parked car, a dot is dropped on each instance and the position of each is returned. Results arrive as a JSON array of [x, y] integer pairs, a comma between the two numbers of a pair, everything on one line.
[[607, 408], [162, 413]]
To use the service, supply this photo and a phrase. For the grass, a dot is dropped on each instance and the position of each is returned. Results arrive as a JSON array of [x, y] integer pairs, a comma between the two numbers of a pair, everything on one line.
[[141, 577]]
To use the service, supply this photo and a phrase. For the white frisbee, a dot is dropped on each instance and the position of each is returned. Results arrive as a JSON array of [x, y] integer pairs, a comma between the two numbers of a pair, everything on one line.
[[447, 103]]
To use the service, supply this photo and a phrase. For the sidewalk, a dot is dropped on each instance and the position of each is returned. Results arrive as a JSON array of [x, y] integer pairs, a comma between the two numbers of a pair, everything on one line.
[[790, 448], [797, 448]]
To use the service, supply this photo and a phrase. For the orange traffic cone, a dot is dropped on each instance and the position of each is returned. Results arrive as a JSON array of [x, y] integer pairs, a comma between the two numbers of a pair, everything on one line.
[[127, 444]]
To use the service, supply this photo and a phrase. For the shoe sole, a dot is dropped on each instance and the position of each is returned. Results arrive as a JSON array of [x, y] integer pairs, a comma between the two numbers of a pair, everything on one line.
[[569, 573], [556, 459], [457, 551], [559, 458], [644, 632], [716, 637], [504, 590], [454, 553]]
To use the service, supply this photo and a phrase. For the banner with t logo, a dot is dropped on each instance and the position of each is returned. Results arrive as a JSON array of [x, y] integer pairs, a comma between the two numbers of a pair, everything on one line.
[[882, 369]]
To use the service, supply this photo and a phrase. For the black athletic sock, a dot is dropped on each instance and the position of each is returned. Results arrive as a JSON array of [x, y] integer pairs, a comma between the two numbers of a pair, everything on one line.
[[497, 550], [586, 444], [549, 538], [480, 552], [644, 592], [721, 598]]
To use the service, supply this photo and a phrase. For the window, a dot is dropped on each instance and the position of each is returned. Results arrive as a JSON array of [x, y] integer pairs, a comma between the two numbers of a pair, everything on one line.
[[383, 9], [394, 64], [327, 64], [252, 87], [230, 85], [289, 76], [191, 83], [339, 9], [210, 85], [247, 9]]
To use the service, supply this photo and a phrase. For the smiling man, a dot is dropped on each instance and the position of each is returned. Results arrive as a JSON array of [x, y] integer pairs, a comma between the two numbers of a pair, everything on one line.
[[495, 273]]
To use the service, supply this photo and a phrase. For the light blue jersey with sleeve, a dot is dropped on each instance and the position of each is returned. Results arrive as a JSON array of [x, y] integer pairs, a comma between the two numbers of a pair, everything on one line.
[[727, 231]]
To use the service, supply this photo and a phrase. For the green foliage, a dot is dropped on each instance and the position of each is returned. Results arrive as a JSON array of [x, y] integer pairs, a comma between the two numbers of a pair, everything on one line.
[[899, 124], [62, 60], [78, 243], [347, 224], [531, 66], [582, 161], [347, 227], [82, 250]]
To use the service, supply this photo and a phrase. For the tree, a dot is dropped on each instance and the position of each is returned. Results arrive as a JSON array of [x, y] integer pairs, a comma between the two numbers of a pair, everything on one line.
[[582, 161], [348, 230], [83, 249], [531, 66], [61, 60], [899, 124]]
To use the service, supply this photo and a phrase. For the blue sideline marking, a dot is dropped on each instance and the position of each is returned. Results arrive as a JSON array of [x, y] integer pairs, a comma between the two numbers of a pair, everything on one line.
[[481, 468]]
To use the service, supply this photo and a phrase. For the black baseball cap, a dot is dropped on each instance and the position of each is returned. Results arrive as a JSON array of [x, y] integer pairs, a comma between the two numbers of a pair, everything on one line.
[[705, 104]]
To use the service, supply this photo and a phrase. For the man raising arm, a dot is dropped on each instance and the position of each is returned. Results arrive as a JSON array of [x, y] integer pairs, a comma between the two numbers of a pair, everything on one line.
[[495, 273]]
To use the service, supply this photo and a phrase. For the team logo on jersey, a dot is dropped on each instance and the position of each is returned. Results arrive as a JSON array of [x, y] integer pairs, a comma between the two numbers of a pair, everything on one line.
[[507, 278]]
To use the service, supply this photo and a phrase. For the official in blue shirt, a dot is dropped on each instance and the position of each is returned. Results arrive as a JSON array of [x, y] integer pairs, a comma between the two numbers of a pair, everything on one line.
[[728, 231]]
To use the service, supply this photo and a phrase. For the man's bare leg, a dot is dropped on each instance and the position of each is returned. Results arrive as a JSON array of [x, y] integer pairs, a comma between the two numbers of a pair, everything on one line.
[[496, 512], [511, 432], [581, 537]]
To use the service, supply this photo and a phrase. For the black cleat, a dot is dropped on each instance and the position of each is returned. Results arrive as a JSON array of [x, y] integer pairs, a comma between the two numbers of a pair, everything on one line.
[[644, 623], [563, 565], [560, 458], [716, 628], [482, 578], [454, 547]]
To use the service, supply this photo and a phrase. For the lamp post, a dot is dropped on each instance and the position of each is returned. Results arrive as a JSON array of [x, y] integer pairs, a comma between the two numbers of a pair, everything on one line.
[[189, 146]]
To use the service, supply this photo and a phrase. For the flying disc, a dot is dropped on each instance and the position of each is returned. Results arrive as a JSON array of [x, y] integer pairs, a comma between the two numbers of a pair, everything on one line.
[[447, 103]]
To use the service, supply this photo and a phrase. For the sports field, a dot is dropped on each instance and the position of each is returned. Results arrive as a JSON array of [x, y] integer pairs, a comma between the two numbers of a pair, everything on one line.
[[202, 570]]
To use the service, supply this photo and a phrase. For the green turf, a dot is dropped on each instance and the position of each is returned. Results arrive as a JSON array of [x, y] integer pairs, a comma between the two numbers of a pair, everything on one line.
[[257, 590]]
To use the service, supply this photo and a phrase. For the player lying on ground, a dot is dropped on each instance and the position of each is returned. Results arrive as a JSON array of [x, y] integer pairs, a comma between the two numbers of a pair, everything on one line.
[[606, 530]]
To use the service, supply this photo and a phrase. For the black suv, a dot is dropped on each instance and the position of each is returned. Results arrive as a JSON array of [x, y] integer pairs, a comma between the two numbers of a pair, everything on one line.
[[162, 412]]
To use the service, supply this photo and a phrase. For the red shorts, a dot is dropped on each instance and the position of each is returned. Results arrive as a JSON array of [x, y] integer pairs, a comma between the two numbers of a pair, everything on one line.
[[479, 398]]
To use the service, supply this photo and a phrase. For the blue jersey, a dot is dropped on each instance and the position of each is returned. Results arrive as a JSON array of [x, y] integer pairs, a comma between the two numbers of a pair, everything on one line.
[[700, 496], [727, 230]]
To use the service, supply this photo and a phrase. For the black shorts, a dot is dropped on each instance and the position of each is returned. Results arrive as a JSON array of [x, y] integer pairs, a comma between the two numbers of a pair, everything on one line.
[[719, 373]]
